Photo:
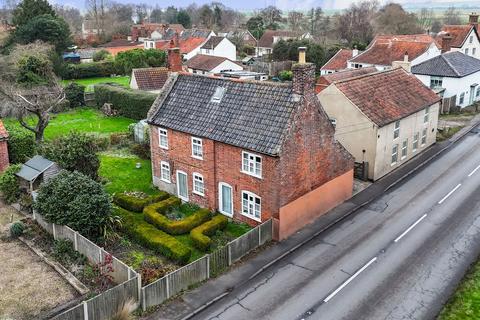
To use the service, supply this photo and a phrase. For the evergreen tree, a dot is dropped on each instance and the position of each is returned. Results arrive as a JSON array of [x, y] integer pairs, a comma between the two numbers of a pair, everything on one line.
[[29, 9]]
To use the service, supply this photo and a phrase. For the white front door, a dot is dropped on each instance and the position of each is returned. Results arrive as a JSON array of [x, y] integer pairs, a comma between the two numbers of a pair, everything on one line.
[[225, 201], [182, 185]]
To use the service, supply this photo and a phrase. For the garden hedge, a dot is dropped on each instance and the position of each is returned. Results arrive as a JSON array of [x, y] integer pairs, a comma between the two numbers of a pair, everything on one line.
[[140, 230], [135, 204], [200, 235], [130, 103], [88, 70], [21, 144], [154, 214]]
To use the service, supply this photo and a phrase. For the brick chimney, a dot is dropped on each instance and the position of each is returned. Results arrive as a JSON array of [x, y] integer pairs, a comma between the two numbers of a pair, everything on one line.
[[303, 74], [446, 42], [473, 20], [174, 57]]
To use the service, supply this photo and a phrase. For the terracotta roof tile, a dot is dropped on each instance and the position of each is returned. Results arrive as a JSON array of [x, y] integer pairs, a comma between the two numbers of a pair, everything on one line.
[[387, 96], [150, 78], [213, 42], [205, 62], [459, 34], [266, 41], [339, 60]]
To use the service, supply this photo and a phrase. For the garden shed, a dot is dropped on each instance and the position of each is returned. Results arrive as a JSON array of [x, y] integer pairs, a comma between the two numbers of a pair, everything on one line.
[[35, 171]]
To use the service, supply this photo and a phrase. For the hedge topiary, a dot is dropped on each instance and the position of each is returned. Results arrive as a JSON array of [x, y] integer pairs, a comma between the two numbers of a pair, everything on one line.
[[21, 144], [88, 70], [200, 235], [140, 230], [9, 185], [130, 103], [136, 204], [154, 214]]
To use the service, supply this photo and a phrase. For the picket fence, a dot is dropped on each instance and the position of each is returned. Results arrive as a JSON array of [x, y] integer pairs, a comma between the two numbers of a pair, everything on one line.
[[208, 266]]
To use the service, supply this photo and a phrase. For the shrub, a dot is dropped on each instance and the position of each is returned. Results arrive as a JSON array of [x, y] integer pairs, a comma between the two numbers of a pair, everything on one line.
[[16, 229], [132, 104], [285, 75], [139, 58], [74, 93], [64, 252], [9, 185], [142, 150], [21, 144], [75, 200], [200, 235], [136, 204], [101, 55], [119, 138], [143, 232], [155, 215], [75, 151], [88, 70]]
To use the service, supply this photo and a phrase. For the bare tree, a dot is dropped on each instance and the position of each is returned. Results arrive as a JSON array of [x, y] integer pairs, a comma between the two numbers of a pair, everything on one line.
[[425, 18], [452, 16], [296, 20], [393, 19], [23, 99], [354, 24], [72, 16]]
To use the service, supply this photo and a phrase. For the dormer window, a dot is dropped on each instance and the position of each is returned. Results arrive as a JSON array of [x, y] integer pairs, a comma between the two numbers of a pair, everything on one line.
[[218, 95]]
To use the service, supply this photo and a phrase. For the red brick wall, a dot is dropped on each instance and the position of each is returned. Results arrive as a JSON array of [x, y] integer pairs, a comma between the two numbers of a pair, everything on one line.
[[3, 155]]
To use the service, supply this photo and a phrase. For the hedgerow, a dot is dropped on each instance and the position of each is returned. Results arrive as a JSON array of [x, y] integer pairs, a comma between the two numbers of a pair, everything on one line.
[[200, 235], [135, 204]]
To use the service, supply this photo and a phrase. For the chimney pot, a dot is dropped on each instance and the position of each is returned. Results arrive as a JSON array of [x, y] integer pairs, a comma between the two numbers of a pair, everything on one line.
[[302, 59], [405, 57], [446, 42]]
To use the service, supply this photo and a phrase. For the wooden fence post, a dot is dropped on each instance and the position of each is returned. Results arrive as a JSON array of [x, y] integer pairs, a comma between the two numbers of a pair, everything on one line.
[[75, 241], [167, 285], [260, 234], [229, 255], [208, 266], [85, 310], [144, 307], [53, 231]]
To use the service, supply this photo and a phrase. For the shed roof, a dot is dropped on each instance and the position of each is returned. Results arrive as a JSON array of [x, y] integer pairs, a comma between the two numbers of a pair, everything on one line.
[[206, 62], [150, 78], [39, 163]]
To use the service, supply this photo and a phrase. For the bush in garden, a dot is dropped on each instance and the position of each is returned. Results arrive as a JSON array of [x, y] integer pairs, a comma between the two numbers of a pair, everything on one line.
[[139, 58], [75, 151], [101, 55], [75, 200], [74, 93], [9, 185], [132, 104], [64, 252], [16, 229], [136, 204], [21, 144], [285, 75], [142, 150], [88, 70], [200, 235]]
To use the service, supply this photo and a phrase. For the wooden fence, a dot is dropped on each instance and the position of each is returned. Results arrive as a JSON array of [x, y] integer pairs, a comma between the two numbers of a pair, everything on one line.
[[208, 266]]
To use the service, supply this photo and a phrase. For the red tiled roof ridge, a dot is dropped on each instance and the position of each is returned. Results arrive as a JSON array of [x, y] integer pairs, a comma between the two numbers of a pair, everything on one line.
[[335, 56], [369, 75]]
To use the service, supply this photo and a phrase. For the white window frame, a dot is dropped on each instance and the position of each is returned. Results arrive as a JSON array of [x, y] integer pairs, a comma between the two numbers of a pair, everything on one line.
[[220, 199], [197, 177], [404, 149], [461, 99], [396, 130], [415, 141], [424, 137], [394, 154], [471, 39], [166, 164], [466, 51], [426, 115], [251, 162], [474, 51], [248, 214], [178, 185], [198, 142], [436, 82], [165, 135]]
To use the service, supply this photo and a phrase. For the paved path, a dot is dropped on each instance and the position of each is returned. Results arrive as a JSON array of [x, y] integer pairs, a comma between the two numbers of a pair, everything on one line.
[[398, 258]]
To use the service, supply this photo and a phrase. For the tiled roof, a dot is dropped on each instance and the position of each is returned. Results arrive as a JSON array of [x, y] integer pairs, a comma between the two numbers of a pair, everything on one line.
[[149, 79], [252, 115], [385, 49], [348, 73], [266, 41], [212, 42], [458, 33], [339, 60], [120, 43], [450, 64], [205, 62], [387, 96], [3, 131], [186, 46]]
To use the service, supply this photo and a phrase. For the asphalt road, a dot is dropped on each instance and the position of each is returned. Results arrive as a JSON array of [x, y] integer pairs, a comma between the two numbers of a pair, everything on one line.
[[399, 258]]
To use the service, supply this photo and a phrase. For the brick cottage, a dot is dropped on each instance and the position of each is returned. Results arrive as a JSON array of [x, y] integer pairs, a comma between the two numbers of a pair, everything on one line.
[[250, 150]]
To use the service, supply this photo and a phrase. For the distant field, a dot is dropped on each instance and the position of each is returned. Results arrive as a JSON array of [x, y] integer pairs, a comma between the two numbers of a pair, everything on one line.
[[89, 82]]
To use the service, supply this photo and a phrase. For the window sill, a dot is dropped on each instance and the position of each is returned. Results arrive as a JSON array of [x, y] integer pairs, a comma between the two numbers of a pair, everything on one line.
[[250, 217], [197, 157], [230, 215], [403, 158], [164, 148], [251, 174], [393, 164], [166, 181], [198, 193]]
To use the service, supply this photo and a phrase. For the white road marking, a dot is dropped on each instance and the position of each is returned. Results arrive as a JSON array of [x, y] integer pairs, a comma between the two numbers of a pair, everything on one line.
[[410, 228], [450, 193], [331, 295], [474, 170]]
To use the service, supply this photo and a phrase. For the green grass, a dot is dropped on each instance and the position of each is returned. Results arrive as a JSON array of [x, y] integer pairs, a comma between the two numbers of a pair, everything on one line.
[[236, 229], [86, 120], [122, 175], [465, 303], [89, 82]]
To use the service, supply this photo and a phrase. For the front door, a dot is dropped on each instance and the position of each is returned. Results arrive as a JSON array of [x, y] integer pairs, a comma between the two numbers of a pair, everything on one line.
[[182, 185], [472, 94], [226, 199]]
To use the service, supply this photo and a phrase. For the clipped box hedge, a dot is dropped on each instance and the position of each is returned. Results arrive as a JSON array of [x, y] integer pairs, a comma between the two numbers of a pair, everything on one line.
[[149, 236], [130, 103], [154, 214], [136, 204], [201, 234], [88, 70]]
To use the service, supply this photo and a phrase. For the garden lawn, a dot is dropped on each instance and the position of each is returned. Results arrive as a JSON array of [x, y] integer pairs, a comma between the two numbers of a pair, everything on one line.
[[89, 82], [122, 175], [85, 120]]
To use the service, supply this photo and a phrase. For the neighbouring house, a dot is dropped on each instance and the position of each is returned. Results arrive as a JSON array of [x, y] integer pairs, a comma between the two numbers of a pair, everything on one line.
[[144, 31], [339, 61], [4, 162], [116, 46], [253, 150], [89, 31], [385, 49], [455, 74], [35, 171], [463, 38], [71, 57], [149, 79], [219, 47], [209, 65], [327, 79], [271, 37], [384, 118], [242, 38]]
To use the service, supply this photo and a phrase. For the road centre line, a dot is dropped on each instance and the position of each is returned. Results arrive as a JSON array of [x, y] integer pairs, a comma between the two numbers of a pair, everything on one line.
[[410, 228], [450, 193], [474, 170], [331, 295]]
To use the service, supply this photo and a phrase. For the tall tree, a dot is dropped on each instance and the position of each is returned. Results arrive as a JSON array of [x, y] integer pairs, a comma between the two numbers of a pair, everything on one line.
[[393, 19], [206, 17], [354, 24], [272, 17], [296, 20], [72, 16], [217, 16], [184, 19], [29, 9], [170, 15], [156, 16], [256, 26], [451, 16], [426, 18]]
